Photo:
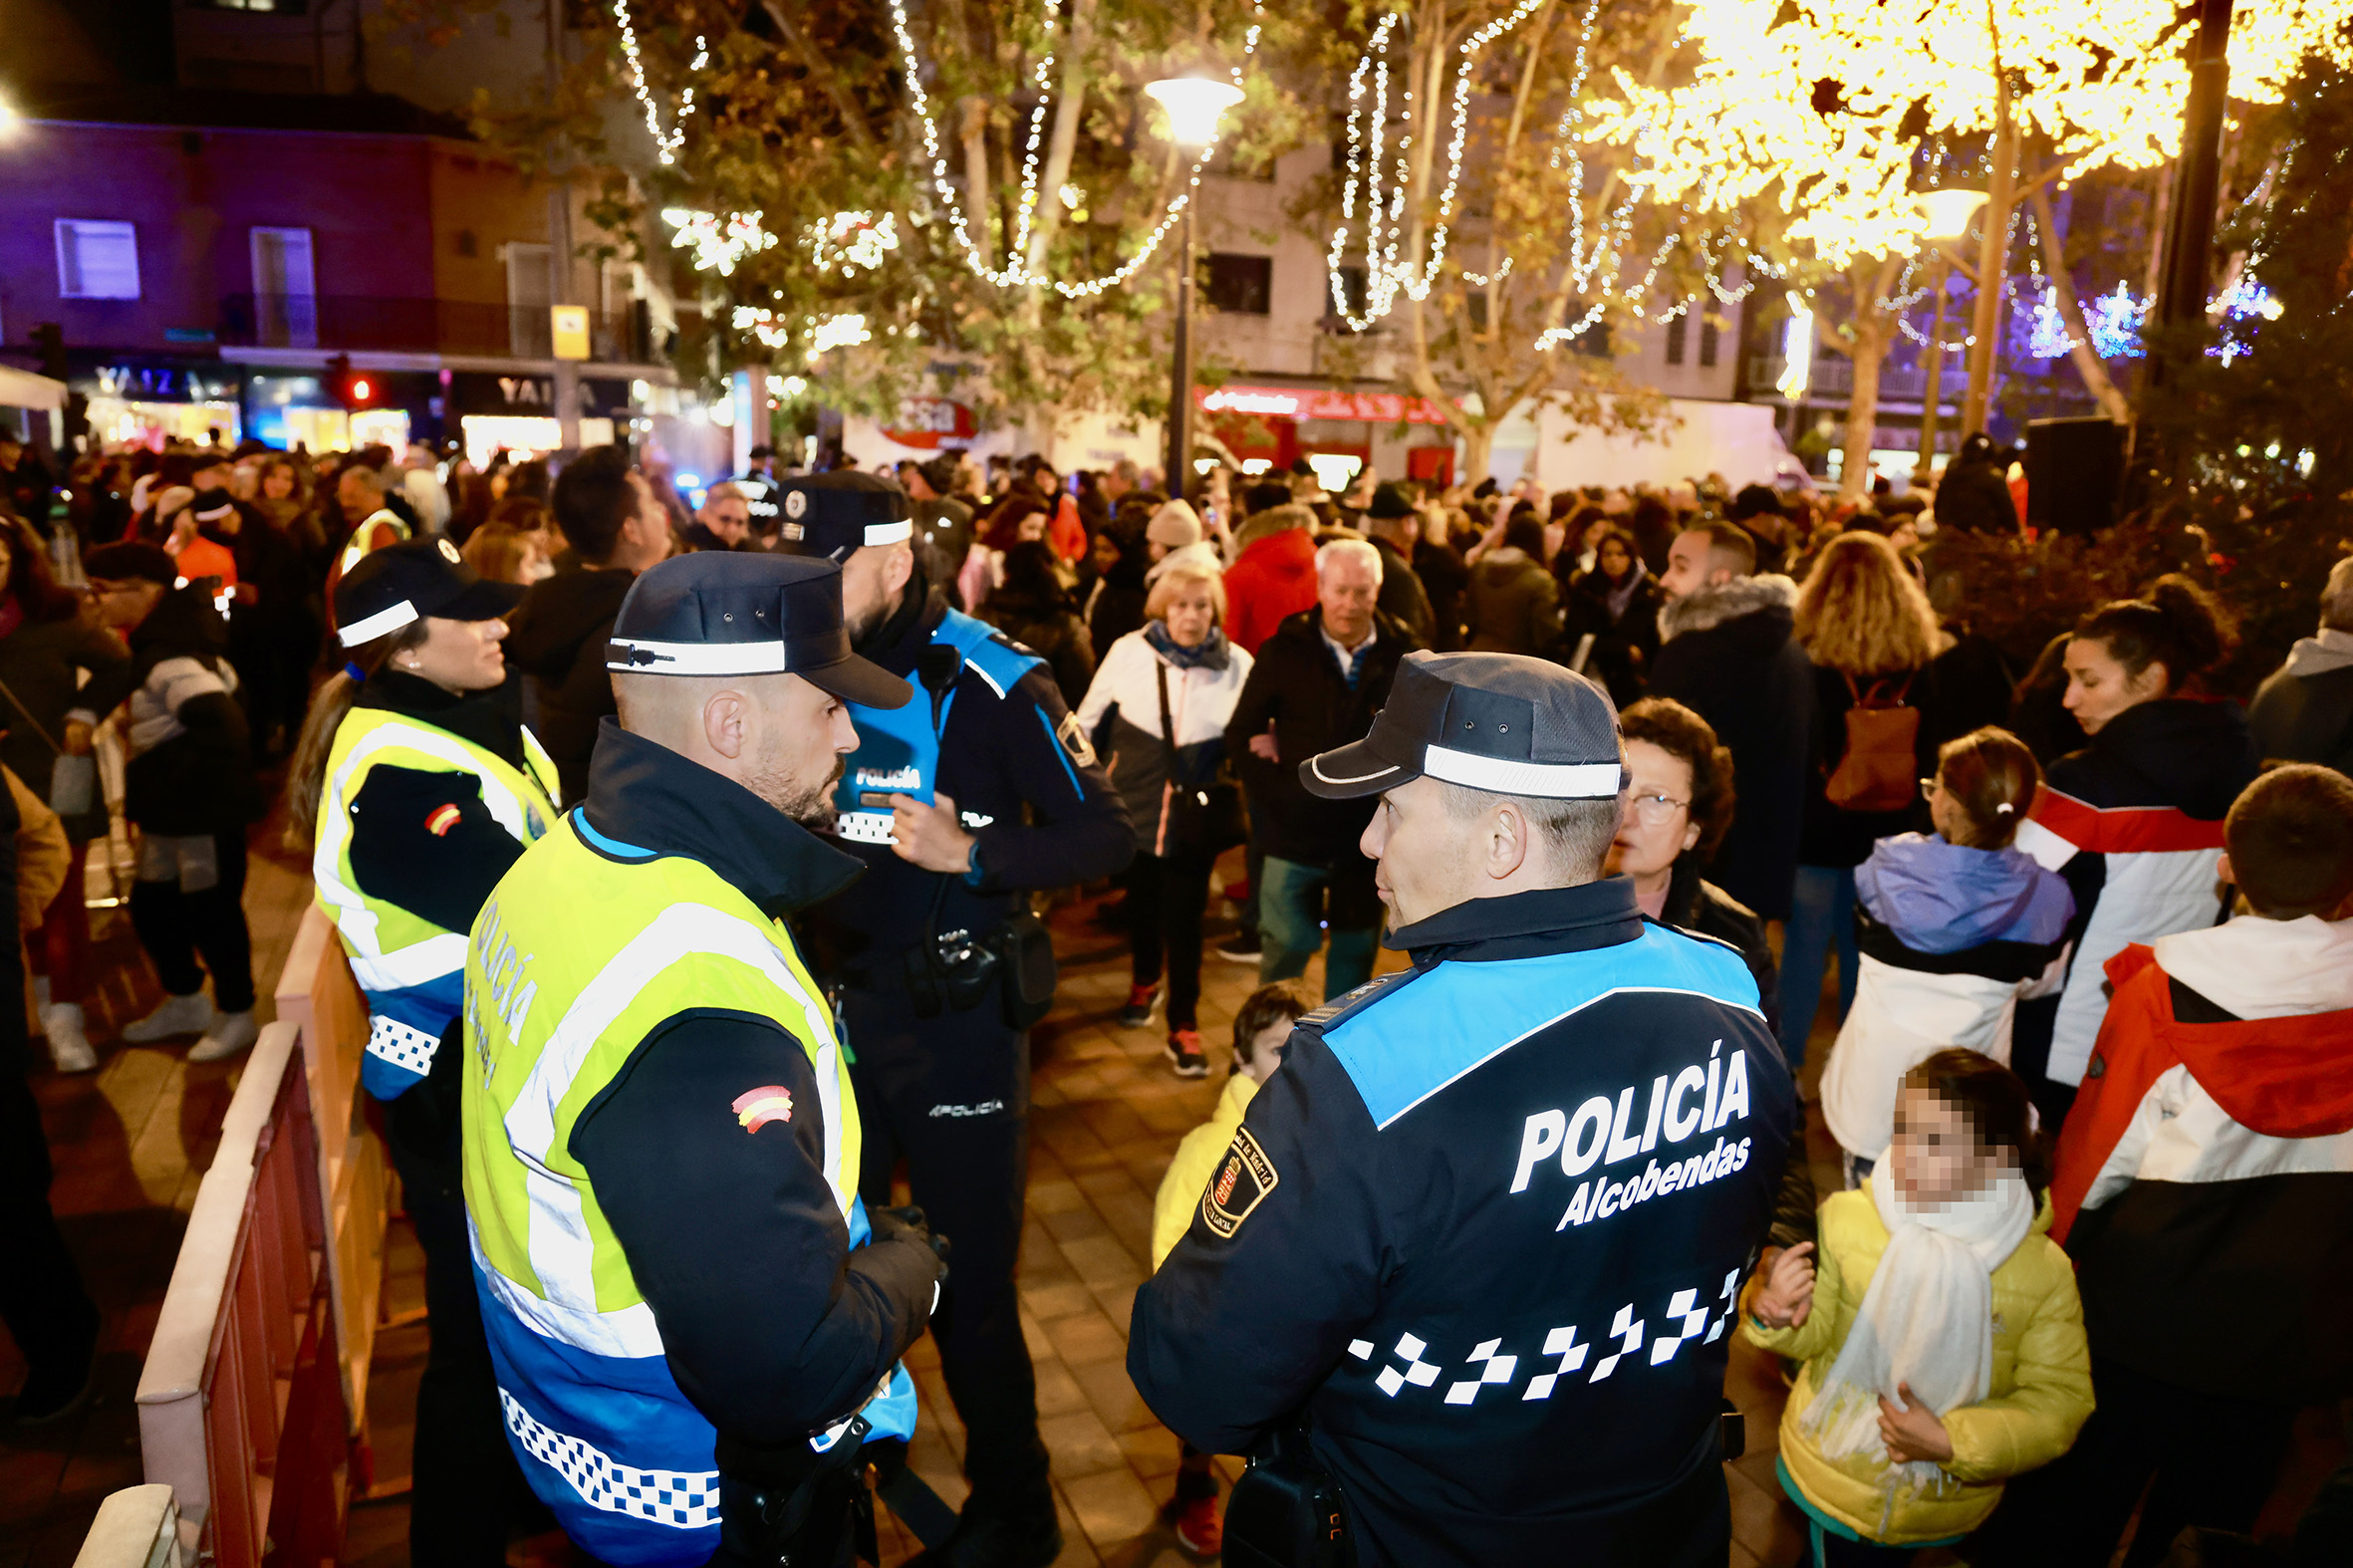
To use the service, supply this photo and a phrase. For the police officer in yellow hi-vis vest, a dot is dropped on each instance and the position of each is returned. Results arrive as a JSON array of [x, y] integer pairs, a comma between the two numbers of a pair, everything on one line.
[[422, 787], [694, 1321]]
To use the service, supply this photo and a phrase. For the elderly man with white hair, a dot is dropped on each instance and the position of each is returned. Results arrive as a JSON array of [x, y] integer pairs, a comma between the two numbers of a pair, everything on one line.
[[1318, 681]]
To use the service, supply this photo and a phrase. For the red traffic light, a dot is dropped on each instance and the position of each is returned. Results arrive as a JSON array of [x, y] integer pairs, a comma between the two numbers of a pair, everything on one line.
[[361, 391]]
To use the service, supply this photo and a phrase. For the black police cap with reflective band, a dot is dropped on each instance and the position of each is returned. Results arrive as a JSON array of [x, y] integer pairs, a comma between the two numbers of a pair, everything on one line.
[[832, 514], [1500, 722], [390, 588], [727, 612]]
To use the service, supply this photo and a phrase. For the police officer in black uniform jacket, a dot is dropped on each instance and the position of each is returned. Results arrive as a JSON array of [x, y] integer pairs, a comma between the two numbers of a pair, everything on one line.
[[1483, 1232], [976, 792]]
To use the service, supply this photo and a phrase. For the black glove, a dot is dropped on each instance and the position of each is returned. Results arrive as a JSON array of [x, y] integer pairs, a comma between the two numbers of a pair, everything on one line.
[[909, 1224]]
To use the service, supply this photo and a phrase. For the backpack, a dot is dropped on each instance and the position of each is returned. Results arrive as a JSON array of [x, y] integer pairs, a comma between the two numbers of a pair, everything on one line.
[[1880, 770]]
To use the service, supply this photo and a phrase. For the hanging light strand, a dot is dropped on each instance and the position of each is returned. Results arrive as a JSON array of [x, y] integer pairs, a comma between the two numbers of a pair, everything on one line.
[[665, 143]]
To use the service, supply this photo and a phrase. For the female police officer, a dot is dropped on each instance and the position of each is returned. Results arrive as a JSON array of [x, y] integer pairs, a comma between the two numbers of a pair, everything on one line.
[[421, 789], [1484, 1230]]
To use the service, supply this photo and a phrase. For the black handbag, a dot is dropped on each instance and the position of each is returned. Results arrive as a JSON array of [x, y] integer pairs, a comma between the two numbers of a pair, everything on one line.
[[1203, 819], [1285, 1511]]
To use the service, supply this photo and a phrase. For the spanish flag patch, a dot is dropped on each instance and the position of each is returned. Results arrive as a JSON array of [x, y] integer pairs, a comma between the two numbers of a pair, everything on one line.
[[756, 1108], [440, 821]]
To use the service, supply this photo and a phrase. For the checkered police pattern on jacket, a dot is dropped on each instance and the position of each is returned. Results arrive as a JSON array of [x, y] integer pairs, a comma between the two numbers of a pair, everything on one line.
[[687, 1500]]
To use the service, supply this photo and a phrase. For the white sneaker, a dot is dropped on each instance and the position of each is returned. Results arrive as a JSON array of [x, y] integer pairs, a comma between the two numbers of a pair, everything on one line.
[[69, 1047], [230, 1034], [189, 1014]]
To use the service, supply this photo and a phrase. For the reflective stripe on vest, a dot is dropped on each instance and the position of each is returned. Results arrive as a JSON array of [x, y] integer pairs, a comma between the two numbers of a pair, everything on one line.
[[409, 966], [579, 956], [356, 548]]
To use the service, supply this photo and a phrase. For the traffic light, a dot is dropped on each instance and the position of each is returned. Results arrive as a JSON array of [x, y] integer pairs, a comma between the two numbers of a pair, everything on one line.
[[352, 388], [49, 343]]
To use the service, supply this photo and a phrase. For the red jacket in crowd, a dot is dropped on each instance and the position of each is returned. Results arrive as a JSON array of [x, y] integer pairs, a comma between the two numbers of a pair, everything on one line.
[[1273, 579]]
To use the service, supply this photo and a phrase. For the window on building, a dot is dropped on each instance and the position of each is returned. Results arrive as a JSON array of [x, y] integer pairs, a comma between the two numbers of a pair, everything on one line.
[[1237, 285], [1708, 338], [97, 260], [1679, 333], [285, 291], [530, 290]]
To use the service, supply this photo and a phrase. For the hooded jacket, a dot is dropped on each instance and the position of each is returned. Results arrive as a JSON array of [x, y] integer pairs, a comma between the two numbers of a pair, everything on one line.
[[2304, 711], [557, 637], [2039, 1396], [1515, 605], [2205, 1176], [2134, 822], [1951, 939], [1274, 576], [1728, 654], [190, 767]]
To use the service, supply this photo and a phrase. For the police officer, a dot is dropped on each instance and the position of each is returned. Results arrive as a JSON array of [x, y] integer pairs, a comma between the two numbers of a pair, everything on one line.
[[1483, 1232], [958, 802], [421, 789], [695, 1323]]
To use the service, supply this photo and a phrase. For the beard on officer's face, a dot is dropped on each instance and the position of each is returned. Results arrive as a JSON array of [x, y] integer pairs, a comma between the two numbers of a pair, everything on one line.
[[792, 790]]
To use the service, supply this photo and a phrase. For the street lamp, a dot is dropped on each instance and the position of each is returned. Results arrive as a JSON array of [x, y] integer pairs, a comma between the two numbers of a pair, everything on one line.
[[1194, 106], [1949, 215]]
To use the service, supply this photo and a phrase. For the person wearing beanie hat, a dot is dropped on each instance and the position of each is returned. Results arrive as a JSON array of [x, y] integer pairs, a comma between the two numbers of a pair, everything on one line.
[[188, 786], [1174, 526]]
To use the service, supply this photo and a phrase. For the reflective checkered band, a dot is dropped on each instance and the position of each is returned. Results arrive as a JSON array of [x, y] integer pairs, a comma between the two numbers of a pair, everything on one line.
[[686, 1499], [405, 1047], [865, 827]]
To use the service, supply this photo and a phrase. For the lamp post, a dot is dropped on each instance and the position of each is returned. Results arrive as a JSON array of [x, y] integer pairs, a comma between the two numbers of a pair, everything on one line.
[[1949, 213], [1194, 106]]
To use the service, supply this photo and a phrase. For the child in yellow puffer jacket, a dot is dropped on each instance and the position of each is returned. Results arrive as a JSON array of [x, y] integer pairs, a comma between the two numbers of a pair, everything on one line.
[[1261, 1030], [1941, 1335]]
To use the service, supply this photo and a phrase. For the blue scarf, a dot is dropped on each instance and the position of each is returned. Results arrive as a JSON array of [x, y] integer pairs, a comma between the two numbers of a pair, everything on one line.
[[1208, 653]]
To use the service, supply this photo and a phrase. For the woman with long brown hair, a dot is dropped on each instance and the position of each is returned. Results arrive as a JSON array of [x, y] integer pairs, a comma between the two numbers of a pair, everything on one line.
[[1882, 668]]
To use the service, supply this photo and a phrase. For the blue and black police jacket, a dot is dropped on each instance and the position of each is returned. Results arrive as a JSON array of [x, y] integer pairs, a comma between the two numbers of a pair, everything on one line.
[[988, 727], [1486, 1225]]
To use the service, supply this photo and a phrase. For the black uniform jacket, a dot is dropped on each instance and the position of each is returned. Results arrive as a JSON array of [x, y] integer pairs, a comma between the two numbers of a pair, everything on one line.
[[1486, 1225]]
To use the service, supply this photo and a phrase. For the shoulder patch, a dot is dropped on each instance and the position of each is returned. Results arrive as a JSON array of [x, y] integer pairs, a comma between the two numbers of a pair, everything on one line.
[[1243, 1180], [1350, 1002], [756, 1108], [999, 662], [1074, 740]]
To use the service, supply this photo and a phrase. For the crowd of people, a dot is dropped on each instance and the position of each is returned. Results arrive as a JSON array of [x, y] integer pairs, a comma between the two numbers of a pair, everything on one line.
[[2082, 934]]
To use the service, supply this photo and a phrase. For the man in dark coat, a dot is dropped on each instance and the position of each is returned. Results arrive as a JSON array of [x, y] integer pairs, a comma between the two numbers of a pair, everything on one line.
[[1729, 654], [615, 527], [1318, 681], [1392, 525], [2304, 711]]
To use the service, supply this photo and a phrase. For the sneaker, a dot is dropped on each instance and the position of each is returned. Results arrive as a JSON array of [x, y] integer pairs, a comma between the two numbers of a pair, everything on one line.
[[69, 1047], [1184, 1050], [1143, 1002], [1199, 1528], [230, 1034], [1241, 949], [189, 1014]]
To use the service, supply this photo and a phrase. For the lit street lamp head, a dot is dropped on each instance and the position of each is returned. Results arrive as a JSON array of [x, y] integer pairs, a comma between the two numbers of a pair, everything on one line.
[[1194, 104], [1950, 211]]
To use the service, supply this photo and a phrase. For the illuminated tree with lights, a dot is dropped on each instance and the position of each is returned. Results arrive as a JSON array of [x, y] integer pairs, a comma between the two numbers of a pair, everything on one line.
[[887, 199], [1485, 219], [1831, 110]]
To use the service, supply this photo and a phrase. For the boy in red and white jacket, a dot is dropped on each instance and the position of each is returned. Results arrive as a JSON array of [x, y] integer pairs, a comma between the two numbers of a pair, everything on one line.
[[2205, 1189]]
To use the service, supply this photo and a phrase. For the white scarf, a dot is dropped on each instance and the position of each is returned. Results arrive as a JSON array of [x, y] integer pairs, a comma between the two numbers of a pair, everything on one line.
[[1927, 1319]]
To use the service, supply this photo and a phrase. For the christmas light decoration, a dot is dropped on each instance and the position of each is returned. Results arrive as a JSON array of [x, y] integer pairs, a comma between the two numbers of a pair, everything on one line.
[[1797, 350], [851, 240], [2114, 321], [837, 332], [718, 243], [666, 144], [1016, 273]]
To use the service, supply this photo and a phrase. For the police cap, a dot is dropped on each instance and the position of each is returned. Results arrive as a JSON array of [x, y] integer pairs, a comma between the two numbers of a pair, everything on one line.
[[1501, 723], [390, 588], [832, 514], [732, 613]]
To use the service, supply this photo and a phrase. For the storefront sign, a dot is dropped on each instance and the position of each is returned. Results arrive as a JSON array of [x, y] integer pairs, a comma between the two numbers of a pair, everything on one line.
[[164, 384], [928, 423], [1311, 402]]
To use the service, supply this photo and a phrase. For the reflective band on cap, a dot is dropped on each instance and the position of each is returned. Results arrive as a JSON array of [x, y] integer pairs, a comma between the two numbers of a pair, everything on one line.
[[1543, 780], [889, 533], [373, 627], [1317, 763], [695, 658]]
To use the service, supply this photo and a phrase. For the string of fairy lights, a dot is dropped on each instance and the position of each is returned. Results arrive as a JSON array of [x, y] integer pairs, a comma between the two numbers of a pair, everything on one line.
[[666, 142]]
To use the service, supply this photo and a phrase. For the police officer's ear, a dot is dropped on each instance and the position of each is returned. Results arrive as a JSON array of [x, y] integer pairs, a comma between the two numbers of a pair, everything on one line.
[[726, 719], [1507, 839], [899, 568]]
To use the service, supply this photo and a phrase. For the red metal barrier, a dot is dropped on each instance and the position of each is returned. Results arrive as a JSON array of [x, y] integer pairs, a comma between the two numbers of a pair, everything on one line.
[[240, 1402]]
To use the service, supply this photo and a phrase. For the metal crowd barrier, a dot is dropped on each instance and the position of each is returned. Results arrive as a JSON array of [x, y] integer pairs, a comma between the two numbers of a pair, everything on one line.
[[240, 1403]]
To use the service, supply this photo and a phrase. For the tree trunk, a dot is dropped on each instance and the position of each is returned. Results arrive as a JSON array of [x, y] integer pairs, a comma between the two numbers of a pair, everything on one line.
[[1869, 351], [2088, 363], [1992, 266], [1478, 449], [1070, 104], [979, 206]]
